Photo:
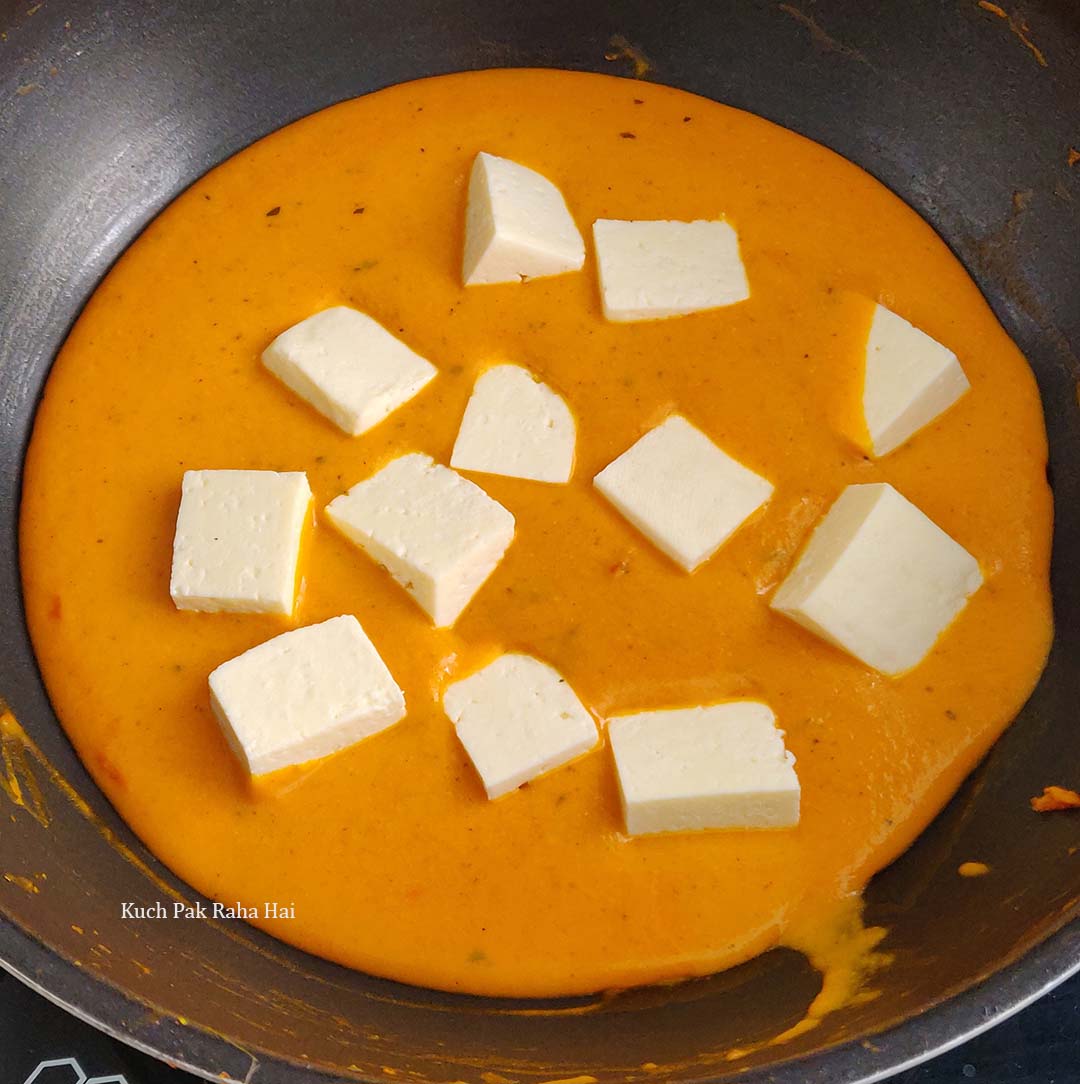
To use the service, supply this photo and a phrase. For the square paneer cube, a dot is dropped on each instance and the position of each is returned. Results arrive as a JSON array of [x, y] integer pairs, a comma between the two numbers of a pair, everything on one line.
[[910, 379], [237, 540], [686, 495], [879, 579], [439, 535], [517, 719], [348, 367], [303, 695], [722, 766], [652, 270]]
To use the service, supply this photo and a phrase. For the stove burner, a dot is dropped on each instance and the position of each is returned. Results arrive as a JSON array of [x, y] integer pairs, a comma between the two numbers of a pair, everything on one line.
[[55, 1071]]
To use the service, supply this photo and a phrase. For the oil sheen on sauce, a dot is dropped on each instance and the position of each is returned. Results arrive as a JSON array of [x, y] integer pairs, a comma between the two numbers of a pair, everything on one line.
[[394, 861]]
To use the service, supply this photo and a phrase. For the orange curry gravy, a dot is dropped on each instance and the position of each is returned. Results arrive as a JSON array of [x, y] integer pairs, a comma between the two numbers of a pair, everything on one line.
[[394, 860]]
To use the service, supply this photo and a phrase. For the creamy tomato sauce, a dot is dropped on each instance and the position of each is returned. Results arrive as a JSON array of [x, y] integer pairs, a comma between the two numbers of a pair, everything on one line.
[[394, 861]]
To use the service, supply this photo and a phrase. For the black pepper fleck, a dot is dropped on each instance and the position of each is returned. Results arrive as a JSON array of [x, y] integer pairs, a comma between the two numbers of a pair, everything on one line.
[[273, 212]]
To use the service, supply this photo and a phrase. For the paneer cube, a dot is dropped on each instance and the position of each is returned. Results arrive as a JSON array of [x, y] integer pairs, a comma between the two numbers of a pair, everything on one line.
[[517, 225], [721, 766], [910, 379], [686, 495], [517, 719], [879, 579], [653, 270], [237, 541], [517, 426], [439, 535], [348, 367], [304, 695]]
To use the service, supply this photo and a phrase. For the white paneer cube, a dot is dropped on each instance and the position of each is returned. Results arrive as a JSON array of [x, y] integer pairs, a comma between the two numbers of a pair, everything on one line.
[[722, 766], [910, 379], [879, 579], [348, 367], [439, 535], [517, 426], [517, 719], [686, 495], [237, 540], [517, 225], [303, 695], [652, 270]]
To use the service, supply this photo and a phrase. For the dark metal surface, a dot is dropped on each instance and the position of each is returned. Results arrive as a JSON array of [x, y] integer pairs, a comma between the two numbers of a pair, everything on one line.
[[966, 110], [1040, 1045]]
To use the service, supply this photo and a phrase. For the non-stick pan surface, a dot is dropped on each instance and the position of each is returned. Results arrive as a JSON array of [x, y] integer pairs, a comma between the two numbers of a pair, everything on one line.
[[967, 110]]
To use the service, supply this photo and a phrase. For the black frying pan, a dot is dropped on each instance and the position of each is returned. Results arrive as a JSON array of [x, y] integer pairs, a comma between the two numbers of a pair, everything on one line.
[[966, 110]]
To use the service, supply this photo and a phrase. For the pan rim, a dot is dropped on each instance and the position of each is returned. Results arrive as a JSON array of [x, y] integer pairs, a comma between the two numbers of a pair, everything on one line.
[[955, 1020], [952, 1021]]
